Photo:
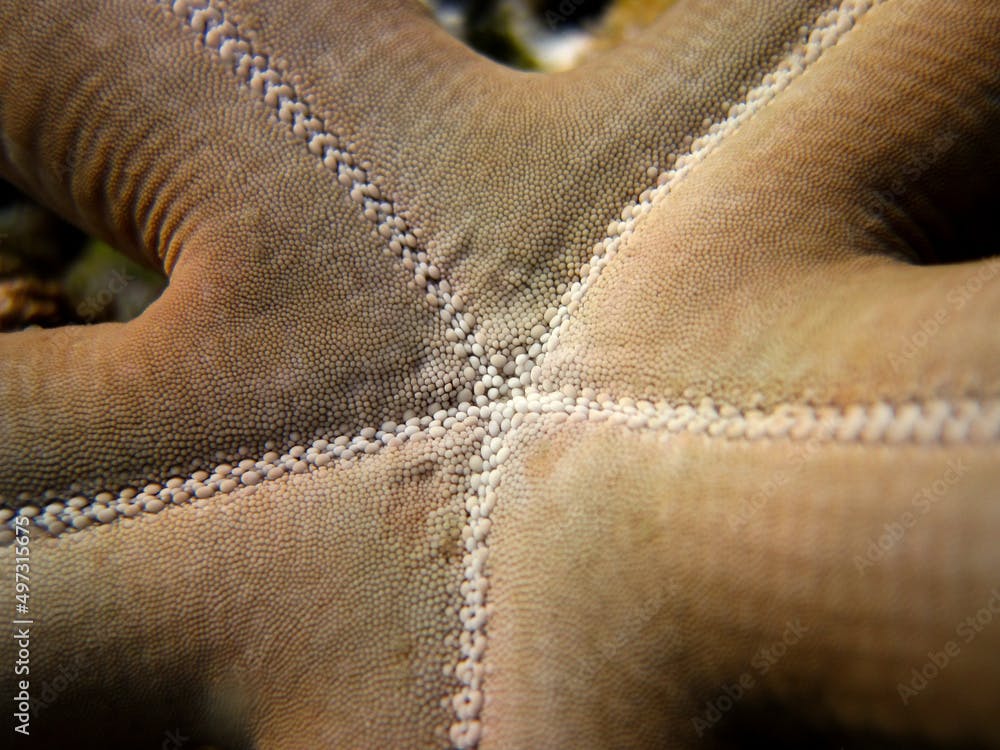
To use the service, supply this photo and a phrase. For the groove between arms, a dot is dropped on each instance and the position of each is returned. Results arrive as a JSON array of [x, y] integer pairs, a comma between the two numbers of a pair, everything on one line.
[[466, 731], [930, 423], [254, 68]]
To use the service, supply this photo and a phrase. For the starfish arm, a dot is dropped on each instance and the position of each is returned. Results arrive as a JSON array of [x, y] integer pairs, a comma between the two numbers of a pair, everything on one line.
[[783, 437], [514, 176], [831, 308], [267, 250], [660, 584], [316, 610]]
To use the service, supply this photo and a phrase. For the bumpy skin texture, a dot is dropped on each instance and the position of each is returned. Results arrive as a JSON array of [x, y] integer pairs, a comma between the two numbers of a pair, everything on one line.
[[487, 408]]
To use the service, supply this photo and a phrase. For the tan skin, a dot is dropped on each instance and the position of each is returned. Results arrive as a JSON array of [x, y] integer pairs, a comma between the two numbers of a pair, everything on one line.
[[426, 443]]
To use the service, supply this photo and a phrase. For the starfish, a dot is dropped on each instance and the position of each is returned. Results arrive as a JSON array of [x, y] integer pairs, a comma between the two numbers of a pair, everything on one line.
[[656, 402]]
